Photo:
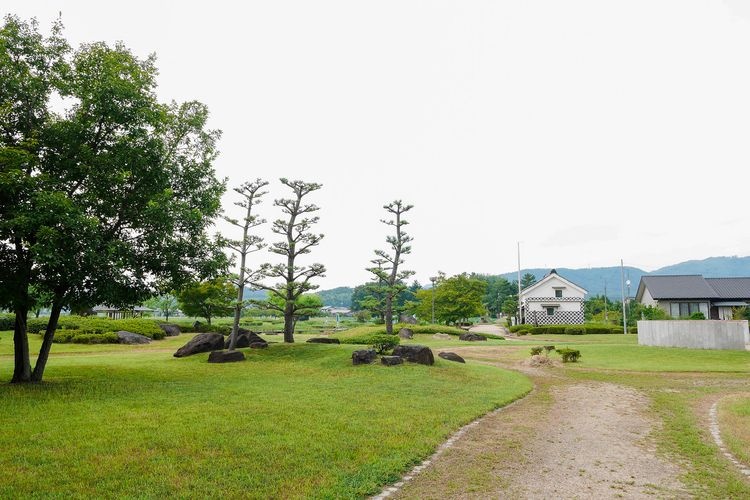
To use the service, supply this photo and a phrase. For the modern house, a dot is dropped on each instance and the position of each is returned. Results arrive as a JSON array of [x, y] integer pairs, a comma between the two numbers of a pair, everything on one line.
[[553, 301], [681, 296]]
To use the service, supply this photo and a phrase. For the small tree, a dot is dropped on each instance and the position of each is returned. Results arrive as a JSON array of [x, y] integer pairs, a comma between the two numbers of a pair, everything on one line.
[[387, 271], [251, 194], [166, 304], [456, 298], [209, 299], [298, 240]]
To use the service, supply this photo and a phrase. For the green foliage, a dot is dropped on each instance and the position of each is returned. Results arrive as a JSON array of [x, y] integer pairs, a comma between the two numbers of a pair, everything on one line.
[[697, 315], [527, 280], [548, 348], [7, 322], [96, 326], [518, 328], [536, 350], [741, 313], [208, 299], [575, 330], [456, 298], [337, 297], [538, 330], [363, 316], [166, 304], [498, 290], [384, 343], [569, 355], [632, 329]]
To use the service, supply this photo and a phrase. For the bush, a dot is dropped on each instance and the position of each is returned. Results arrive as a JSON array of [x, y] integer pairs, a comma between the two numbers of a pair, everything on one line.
[[617, 329], [36, 325], [7, 322], [632, 329], [536, 350], [96, 338], [597, 330], [383, 343], [574, 330], [518, 328], [363, 316], [549, 348], [556, 329], [697, 315], [538, 330], [569, 355]]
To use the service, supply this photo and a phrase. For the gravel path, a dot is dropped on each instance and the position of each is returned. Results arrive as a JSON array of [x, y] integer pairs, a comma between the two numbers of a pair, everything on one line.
[[595, 444]]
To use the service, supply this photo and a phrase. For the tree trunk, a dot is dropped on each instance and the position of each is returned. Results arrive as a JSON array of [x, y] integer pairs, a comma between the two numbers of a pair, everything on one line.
[[22, 370], [289, 321], [389, 315], [49, 334], [236, 323]]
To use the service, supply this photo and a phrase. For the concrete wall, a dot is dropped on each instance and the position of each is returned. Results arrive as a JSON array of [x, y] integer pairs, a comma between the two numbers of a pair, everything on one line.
[[697, 334]]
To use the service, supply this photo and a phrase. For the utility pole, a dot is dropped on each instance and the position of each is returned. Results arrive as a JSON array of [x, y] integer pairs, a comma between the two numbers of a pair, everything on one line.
[[519, 282], [622, 286], [433, 279]]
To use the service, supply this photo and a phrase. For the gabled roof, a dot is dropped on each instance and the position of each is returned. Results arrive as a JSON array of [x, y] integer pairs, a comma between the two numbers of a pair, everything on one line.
[[731, 288], [550, 276], [694, 286]]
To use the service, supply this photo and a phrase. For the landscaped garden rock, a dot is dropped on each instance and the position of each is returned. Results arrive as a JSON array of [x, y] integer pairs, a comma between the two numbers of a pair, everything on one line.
[[170, 330], [451, 356], [323, 340], [415, 353], [244, 339], [472, 337], [364, 356], [391, 360], [132, 338], [225, 356], [202, 342], [258, 345], [409, 320], [441, 336], [406, 333]]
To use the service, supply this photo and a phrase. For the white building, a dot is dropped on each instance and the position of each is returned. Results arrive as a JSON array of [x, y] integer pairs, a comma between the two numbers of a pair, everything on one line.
[[553, 301]]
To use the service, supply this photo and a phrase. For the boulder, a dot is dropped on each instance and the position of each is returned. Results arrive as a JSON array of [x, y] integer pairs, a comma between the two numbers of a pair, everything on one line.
[[258, 345], [170, 330], [323, 340], [441, 336], [364, 356], [244, 339], [132, 338], [451, 356], [391, 360], [202, 342], [409, 320], [472, 337], [225, 356], [415, 353], [406, 333]]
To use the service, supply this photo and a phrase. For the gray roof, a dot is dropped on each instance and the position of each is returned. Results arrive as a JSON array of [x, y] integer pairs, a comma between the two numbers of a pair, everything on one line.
[[695, 287], [679, 287], [731, 288]]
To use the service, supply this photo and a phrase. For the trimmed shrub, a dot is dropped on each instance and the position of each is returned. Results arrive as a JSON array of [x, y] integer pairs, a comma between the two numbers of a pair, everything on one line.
[[384, 343], [7, 322], [597, 330], [632, 329], [556, 329], [36, 325], [548, 348], [569, 355], [536, 350], [697, 315], [574, 330], [538, 330], [95, 338], [617, 329], [518, 328]]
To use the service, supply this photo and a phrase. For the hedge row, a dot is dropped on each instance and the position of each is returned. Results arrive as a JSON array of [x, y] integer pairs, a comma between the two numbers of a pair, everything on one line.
[[98, 326], [569, 329], [80, 337]]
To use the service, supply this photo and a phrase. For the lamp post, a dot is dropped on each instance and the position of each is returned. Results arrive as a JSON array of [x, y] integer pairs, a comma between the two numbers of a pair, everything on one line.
[[433, 279]]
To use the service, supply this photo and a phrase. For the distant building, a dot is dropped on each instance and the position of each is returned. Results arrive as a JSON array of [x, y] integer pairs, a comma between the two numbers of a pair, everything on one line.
[[118, 313], [554, 300], [341, 311], [681, 296]]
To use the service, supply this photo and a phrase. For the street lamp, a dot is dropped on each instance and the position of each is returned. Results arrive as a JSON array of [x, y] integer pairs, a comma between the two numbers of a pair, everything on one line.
[[433, 279]]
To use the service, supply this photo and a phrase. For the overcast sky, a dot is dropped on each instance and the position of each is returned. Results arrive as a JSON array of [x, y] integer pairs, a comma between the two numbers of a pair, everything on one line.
[[589, 130]]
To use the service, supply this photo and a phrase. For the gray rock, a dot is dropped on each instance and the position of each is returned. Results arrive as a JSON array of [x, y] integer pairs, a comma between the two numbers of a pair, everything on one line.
[[409, 320], [202, 342], [441, 336], [452, 356], [406, 333], [391, 360], [323, 340], [258, 345], [364, 356], [415, 353], [244, 339], [132, 338], [170, 330], [472, 337], [225, 356]]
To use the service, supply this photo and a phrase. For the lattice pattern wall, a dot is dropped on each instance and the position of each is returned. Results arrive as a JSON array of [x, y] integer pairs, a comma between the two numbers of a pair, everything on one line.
[[559, 318]]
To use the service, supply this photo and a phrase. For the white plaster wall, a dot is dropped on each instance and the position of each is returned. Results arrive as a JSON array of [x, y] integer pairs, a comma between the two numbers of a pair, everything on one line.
[[698, 334], [564, 306], [547, 289], [647, 299]]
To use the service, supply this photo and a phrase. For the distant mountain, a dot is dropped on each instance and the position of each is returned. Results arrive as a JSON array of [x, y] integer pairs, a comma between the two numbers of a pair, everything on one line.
[[712, 267], [593, 279], [337, 297]]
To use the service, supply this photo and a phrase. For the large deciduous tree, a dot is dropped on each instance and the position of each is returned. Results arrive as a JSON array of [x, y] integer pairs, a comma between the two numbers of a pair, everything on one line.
[[208, 299], [251, 195], [107, 200], [456, 299], [297, 240], [388, 276]]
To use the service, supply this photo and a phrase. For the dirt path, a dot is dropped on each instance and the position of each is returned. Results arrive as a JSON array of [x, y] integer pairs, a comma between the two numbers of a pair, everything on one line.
[[493, 329], [567, 440]]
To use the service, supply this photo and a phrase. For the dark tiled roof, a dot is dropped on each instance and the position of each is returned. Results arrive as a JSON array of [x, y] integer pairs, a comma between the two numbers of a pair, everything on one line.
[[731, 288], [679, 287]]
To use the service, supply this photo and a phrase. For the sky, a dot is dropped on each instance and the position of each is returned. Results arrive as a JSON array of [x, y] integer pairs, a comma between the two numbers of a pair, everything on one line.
[[586, 131]]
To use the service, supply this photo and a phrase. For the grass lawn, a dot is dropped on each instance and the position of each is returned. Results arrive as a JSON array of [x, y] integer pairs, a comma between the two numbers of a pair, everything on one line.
[[292, 421], [734, 422]]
